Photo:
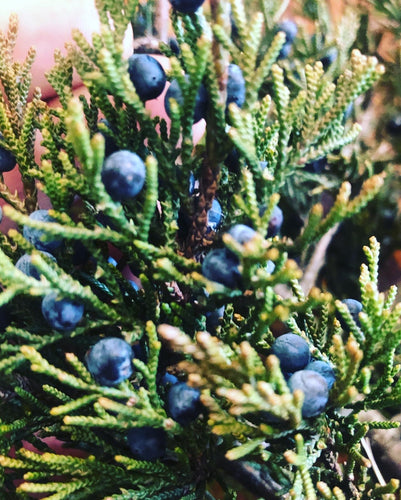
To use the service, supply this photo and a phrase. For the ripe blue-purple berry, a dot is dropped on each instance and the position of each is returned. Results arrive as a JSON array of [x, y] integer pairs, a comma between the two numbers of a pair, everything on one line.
[[7, 159], [235, 86], [214, 215], [174, 46], [147, 443], [270, 266], [37, 236], [330, 56], [285, 50], [275, 222], [292, 351], [242, 233], [354, 307], [110, 361], [147, 76], [193, 184], [316, 166], [174, 92], [221, 265], [61, 314], [24, 264], [183, 403], [324, 369], [393, 126], [290, 29], [213, 319], [315, 389], [186, 6], [168, 379], [123, 175], [110, 145]]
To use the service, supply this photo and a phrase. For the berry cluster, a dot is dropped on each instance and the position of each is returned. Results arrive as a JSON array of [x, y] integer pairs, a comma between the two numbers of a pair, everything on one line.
[[60, 313], [313, 377], [110, 363], [222, 265]]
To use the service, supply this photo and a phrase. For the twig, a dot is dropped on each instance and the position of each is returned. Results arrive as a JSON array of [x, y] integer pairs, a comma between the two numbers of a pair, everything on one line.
[[162, 19], [317, 261], [365, 442]]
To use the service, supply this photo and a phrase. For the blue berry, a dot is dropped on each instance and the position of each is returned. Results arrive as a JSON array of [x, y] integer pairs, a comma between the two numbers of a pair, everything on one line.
[[275, 222], [1, 214], [316, 166], [61, 314], [270, 266], [168, 379], [174, 46], [285, 50], [110, 361], [24, 264], [147, 76], [221, 265], [290, 29], [186, 6], [242, 233], [213, 319], [214, 216], [393, 126], [123, 175], [140, 352], [324, 369], [354, 307], [329, 57], [183, 403], [147, 443], [174, 92], [36, 236], [292, 351], [315, 389], [110, 145], [7, 159], [193, 184], [235, 86]]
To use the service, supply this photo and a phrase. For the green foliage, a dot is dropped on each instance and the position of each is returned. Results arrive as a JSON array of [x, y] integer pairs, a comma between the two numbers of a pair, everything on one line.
[[390, 9], [250, 435]]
